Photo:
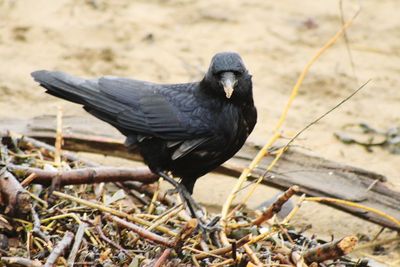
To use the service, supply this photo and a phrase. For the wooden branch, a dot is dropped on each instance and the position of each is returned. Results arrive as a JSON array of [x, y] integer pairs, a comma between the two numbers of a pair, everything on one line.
[[276, 206], [13, 196], [86, 175], [331, 251], [59, 249]]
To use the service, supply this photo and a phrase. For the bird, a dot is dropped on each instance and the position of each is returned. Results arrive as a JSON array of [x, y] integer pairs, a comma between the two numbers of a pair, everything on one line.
[[183, 129]]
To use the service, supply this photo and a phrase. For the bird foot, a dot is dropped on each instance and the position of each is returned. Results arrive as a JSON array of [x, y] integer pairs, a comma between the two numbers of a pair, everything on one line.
[[196, 211], [211, 226], [191, 204]]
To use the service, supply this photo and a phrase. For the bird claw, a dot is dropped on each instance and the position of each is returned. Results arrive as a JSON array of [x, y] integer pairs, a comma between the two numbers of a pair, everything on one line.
[[211, 226]]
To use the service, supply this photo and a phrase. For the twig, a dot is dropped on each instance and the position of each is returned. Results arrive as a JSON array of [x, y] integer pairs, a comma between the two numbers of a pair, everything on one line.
[[12, 195], [21, 261], [331, 250], [109, 241], [36, 227], [261, 237], [355, 205], [223, 250], [87, 175], [208, 253], [28, 180], [59, 249], [58, 143], [165, 218], [163, 258], [185, 233], [155, 196], [252, 255], [294, 210], [76, 245], [276, 206], [144, 233], [227, 262]]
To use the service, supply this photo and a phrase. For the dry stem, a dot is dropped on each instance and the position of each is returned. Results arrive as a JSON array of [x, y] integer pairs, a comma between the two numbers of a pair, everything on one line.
[[276, 206], [163, 258], [76, 245], [59, 249], [224, 250], [331, 250], [58, 143], [355, 205]]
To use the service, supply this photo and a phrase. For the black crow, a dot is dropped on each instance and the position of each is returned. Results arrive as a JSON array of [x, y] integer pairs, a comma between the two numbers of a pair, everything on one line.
[[187, 129]]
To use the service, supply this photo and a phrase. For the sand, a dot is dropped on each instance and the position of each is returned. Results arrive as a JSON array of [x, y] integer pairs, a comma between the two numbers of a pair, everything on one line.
[[173, 41]]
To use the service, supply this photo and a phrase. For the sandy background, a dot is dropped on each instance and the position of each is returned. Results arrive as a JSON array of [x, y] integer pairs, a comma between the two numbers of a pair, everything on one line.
[[173, 41]]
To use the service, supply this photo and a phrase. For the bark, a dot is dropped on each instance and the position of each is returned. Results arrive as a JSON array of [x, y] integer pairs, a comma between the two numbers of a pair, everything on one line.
[[330, 251], [276, 206], [13, 196], [87, 175]]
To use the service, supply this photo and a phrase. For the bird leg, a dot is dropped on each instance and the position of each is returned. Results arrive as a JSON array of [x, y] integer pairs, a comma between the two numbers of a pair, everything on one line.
[[194, 208], [185, 195]]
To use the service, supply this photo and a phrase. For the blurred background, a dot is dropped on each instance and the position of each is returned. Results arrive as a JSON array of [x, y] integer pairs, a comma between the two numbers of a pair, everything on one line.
[[173, 41]]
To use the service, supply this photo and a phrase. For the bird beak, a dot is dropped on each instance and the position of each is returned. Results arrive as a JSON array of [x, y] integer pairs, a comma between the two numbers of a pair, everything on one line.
[[228, 81]]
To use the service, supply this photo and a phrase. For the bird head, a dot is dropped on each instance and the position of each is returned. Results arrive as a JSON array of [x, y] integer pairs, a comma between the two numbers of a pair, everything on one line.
[[228, 76]]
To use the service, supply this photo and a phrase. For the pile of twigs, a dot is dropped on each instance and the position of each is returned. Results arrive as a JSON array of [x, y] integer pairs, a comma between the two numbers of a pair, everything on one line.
[[56, 210]]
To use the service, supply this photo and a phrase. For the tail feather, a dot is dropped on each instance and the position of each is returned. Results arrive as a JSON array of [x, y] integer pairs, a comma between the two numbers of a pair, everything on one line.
[[64, 86], [78, 90]]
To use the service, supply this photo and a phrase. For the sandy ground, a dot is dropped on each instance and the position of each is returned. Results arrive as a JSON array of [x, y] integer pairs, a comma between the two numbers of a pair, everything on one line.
[[173, 41]]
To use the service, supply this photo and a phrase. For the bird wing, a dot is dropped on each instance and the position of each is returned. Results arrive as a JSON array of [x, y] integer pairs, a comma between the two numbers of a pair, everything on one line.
[[154, 109]]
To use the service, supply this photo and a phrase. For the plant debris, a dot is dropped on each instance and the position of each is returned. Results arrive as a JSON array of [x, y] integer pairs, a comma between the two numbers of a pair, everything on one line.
[[364, 135], [92, 224]]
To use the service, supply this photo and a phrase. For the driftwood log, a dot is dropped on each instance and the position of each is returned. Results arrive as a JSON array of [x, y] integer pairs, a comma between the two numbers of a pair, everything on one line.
[[314, 175]]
